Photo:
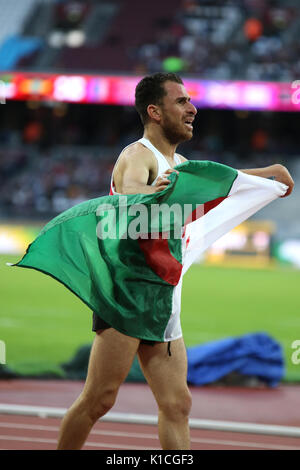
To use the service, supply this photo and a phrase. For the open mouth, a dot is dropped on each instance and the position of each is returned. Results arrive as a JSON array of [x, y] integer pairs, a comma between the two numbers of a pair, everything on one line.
[[189, 124]]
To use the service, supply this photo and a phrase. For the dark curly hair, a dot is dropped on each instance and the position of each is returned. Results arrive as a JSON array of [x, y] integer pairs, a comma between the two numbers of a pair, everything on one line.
[[150, 90]]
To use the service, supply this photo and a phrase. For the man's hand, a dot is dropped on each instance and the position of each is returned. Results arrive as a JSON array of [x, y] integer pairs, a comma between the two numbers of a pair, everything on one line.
[[283, 176], [277, 171], [163, 181]]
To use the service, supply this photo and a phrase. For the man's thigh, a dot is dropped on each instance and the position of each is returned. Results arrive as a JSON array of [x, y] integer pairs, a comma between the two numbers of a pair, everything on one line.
[[166, 374], [110, 361]]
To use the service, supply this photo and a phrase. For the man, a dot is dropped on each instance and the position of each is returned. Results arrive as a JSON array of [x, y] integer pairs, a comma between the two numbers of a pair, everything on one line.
[[143, 167]]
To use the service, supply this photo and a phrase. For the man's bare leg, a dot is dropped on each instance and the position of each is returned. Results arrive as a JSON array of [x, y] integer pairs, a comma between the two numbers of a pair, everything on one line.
[[166, 376], [110, 361]]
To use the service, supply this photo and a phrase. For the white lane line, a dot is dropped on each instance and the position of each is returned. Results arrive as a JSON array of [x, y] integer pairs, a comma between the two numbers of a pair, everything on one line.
[[32, 427], [40, 440], [99, 432], [268, 429], [195, 440], [27, 439]]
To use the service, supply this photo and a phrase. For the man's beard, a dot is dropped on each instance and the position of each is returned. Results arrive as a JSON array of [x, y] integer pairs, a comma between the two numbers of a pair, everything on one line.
[[175, 135]]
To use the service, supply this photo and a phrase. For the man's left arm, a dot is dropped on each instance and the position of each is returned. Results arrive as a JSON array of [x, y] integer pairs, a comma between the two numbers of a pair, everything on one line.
[[277, 171]]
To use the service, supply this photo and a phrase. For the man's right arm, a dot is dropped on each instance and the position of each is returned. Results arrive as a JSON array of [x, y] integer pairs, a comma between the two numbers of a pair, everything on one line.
[[131, 175]]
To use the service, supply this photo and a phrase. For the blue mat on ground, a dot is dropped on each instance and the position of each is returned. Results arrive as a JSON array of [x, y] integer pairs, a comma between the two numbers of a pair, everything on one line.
[[256, 355]]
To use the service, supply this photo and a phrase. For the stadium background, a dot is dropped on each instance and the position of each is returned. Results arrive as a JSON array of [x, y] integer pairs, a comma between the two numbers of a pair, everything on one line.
[[68, 71]]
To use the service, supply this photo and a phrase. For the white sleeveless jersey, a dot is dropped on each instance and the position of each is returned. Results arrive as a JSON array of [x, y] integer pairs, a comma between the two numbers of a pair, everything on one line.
[[173, 329], [162, 163]]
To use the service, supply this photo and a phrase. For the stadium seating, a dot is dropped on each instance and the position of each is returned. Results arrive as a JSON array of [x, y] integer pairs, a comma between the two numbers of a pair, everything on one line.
[[16, 48], [13, 16], [131, 27], [13, 46], [232, 40], [219, 40]]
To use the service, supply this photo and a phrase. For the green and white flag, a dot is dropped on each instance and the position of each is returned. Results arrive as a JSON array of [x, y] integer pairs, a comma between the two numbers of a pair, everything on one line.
[[125, 256]]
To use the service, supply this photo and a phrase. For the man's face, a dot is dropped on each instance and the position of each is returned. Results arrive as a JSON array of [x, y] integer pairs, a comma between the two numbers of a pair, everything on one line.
[[177, 113]]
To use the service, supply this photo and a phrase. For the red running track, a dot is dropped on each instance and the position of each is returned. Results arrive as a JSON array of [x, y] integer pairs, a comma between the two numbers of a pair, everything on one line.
[[268, 406], [33, 433]]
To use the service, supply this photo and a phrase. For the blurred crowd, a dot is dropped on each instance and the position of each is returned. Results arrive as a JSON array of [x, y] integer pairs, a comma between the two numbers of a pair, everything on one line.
[[228, 39], [54, 156], [50, 160], [249, 39], [37, 183]]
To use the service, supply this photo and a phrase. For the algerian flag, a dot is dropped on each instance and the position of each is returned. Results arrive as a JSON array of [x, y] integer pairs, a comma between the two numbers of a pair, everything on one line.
[[125, 256]]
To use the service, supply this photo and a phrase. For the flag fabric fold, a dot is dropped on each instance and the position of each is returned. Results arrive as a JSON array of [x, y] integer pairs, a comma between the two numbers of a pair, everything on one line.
[[126, 262]]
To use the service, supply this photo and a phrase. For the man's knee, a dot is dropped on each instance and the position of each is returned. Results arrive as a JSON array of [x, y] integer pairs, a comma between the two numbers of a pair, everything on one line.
[[176, 406], [106, 400], [99, 404]]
